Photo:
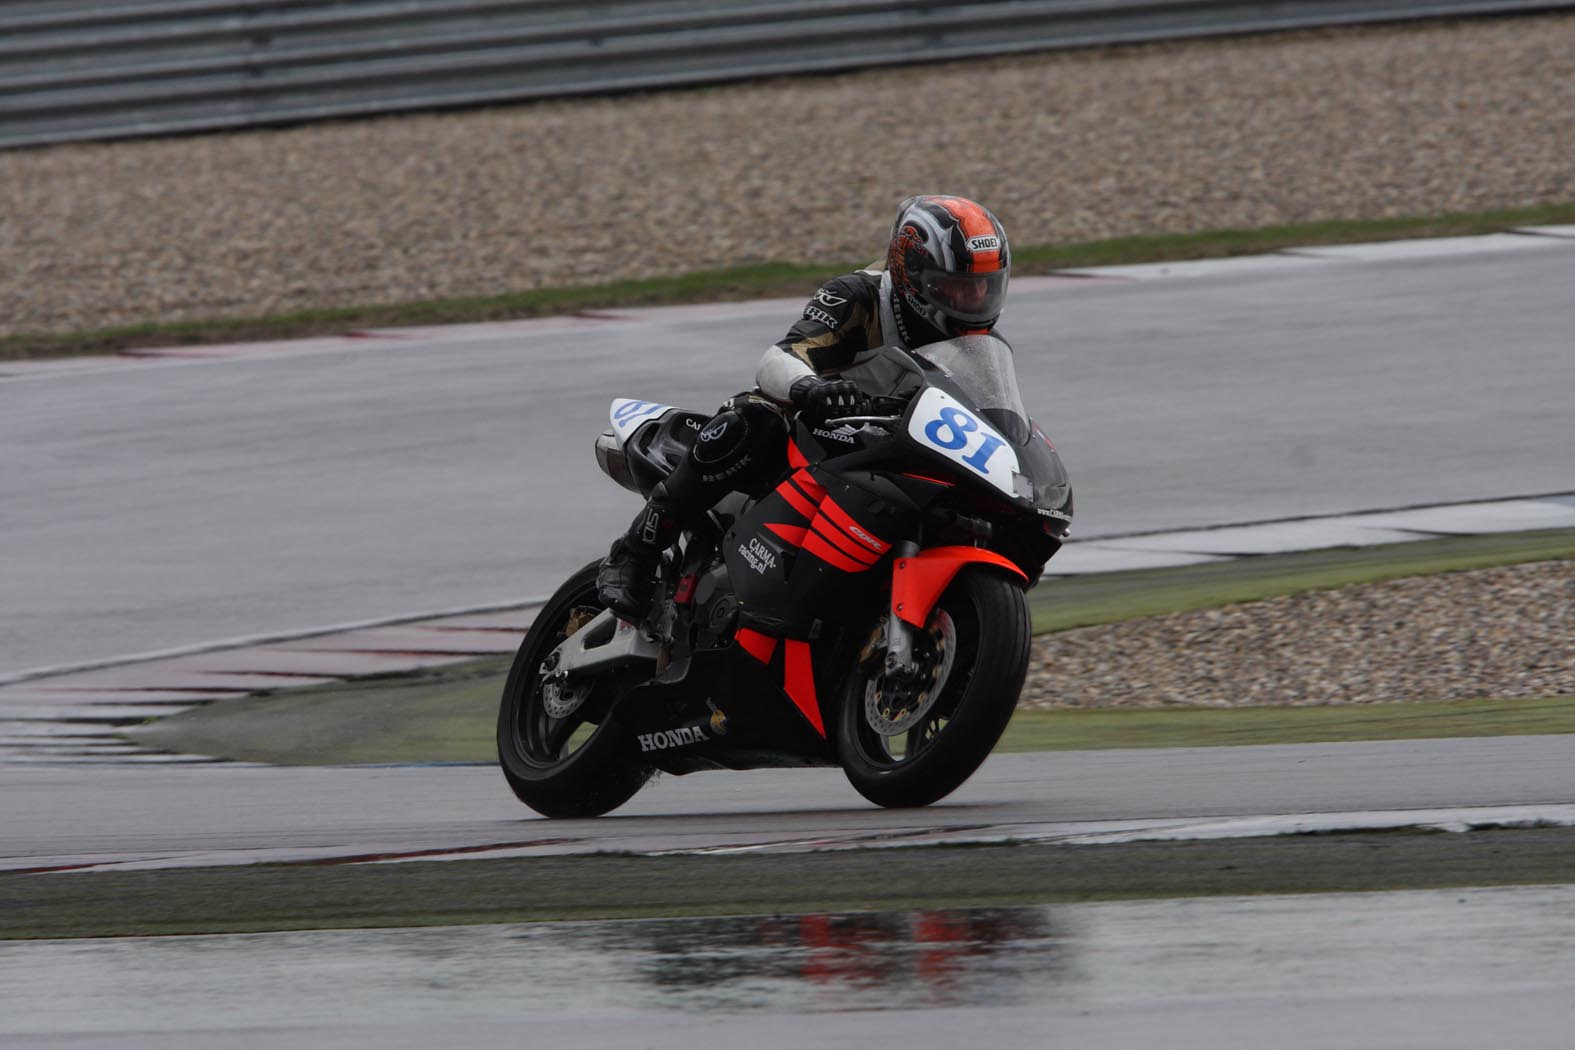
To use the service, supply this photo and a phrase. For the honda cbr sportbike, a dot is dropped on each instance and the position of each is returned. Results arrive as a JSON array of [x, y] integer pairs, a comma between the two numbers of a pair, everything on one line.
[[867, 612]]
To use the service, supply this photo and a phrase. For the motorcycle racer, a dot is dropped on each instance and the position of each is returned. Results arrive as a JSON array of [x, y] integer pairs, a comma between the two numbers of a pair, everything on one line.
[[945, 275]]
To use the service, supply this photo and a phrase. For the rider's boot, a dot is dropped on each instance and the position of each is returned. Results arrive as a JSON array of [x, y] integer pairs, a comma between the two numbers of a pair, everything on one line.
[[626, 581]]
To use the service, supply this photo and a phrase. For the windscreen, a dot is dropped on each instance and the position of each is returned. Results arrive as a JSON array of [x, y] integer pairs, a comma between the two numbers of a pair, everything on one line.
[[981, 367]]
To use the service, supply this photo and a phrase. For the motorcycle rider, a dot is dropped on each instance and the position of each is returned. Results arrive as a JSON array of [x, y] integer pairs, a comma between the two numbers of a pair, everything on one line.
[[945, 276]]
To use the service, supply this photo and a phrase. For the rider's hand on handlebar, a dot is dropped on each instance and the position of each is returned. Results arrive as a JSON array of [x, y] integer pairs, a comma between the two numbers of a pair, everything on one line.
[[822, 399]]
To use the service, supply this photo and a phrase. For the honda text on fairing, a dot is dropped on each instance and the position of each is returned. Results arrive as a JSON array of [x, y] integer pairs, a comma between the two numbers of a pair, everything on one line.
[[867, 612]]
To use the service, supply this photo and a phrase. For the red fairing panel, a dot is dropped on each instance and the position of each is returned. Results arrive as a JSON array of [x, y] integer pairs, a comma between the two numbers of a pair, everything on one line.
[[798, 672], [918, 582], [761, 646]]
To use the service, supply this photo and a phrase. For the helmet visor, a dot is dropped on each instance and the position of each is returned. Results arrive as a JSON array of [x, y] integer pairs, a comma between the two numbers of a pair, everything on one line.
[[970, 297]]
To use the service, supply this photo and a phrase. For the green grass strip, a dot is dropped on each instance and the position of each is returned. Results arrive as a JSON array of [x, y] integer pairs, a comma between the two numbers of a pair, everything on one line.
[[742, 282], [1081, 601], [1214, 244], [1071, 730], [600, 886], [447, 714], [755, 281]]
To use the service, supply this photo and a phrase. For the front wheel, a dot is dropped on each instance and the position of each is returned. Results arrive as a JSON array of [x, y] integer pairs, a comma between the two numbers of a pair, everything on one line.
[[560, 751], [909, 743]]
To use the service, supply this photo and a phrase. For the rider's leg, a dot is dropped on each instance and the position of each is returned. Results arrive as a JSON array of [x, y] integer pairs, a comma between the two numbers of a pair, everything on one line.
[[735, 448]]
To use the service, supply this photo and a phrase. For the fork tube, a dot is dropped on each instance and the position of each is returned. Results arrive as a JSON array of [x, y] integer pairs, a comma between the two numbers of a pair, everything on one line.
[[899, 636]]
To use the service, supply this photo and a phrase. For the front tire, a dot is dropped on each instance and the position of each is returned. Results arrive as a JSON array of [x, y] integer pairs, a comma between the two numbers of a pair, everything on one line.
[[577, 764], [976, 644]]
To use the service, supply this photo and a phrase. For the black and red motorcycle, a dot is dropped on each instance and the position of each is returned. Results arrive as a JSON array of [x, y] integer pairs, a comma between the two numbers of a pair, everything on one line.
[[867, 612]]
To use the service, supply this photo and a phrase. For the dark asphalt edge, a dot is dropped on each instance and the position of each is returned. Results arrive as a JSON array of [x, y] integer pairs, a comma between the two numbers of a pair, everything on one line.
[[611, 886]]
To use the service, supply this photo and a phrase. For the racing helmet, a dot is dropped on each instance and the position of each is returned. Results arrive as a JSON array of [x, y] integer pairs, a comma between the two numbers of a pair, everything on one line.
[[949, 263]]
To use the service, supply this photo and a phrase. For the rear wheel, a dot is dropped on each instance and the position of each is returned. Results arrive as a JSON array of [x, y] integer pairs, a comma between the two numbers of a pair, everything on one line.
[[909, 743], [560, 751]]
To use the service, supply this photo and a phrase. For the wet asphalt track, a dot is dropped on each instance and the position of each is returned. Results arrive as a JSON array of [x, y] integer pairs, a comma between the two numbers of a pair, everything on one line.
[[236, 814], [1481, 968], [1442, 970], [152, 505]]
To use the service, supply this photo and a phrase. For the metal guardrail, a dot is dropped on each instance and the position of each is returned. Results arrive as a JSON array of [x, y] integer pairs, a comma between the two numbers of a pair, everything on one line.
[[120, 68]]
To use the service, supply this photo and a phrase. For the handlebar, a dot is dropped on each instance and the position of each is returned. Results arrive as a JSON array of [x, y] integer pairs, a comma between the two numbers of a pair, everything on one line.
[[885, 403], [880, 403], [840, 420]]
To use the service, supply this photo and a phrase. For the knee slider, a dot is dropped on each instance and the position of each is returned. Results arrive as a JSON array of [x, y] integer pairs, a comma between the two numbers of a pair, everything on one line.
[[722, 442]]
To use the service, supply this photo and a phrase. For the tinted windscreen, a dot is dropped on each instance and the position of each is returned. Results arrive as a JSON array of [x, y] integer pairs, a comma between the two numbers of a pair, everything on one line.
[[981, 366]]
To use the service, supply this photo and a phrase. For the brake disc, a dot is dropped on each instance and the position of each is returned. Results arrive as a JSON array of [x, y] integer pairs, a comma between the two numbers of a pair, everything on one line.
[[559, 698], [894, 707]]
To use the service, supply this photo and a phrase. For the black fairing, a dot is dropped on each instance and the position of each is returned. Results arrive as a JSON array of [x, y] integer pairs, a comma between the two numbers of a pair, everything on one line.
[[809, 562], [1029, 524], [1051, 487], [783, 588], [654, 450], [727, 697]]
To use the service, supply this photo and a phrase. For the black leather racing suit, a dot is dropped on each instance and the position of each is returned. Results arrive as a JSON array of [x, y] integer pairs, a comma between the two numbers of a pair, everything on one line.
[[744, 446], [846, 317]]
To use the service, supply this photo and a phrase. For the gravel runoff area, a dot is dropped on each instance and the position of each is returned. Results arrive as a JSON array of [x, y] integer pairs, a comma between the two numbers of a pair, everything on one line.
[[1413, 119], [1500, 633]]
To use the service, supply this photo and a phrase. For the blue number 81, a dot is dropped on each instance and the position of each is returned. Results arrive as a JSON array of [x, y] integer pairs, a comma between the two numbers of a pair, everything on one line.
[[632, 409], [957, 423]]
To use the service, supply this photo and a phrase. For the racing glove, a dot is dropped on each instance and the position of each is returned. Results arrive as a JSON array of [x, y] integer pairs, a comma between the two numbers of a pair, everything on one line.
[[822, 399]]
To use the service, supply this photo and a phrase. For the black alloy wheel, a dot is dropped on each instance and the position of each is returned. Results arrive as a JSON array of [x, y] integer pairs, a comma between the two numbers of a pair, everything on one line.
[[911, 742], [561, 752]]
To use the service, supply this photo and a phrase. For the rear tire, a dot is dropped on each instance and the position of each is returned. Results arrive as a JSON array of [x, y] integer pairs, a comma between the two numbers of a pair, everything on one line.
[[578, 765], [989, 630]]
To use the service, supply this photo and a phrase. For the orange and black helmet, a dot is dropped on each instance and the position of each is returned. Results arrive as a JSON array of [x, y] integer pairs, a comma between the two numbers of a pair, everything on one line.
[[949, 263]]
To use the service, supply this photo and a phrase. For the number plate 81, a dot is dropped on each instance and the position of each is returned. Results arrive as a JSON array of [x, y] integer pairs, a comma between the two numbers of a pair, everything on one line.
[[940, 422]]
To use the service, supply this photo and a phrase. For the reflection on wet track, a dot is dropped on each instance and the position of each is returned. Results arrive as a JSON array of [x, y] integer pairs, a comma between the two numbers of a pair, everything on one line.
[[1020, 964], [779, 964], [798, 963]]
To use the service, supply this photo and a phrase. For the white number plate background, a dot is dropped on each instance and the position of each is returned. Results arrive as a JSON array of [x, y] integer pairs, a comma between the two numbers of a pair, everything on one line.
[[627, 414], [940, 422]]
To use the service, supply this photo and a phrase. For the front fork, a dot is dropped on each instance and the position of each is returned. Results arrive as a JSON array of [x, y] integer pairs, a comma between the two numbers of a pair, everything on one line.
[[899, 635], [918, 579]]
